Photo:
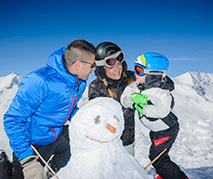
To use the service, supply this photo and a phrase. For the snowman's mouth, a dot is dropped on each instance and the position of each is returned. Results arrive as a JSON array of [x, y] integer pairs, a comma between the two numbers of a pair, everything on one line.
[[101, 141]]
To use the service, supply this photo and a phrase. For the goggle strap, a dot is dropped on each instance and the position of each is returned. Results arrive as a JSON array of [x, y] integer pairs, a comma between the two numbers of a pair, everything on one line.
[[100, 62], [155, 72]]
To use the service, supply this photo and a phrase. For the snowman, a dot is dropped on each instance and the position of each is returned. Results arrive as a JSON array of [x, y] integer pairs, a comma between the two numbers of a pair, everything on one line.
[[97, 151]]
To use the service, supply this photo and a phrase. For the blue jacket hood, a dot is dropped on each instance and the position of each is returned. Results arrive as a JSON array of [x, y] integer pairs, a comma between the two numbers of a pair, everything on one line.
[[56, 61], [45, 100]]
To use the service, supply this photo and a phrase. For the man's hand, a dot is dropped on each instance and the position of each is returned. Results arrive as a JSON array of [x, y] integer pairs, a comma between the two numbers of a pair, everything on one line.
[[32, 169]]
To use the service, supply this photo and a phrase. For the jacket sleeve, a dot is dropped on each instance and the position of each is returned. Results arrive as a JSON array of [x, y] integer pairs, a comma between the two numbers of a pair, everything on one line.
[[125, 97], [17, 119], [161, 103], [159, 109], [93, 91]]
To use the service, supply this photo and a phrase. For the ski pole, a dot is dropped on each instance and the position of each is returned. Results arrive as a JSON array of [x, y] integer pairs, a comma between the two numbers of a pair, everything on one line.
[[155, 158], [34, 149]]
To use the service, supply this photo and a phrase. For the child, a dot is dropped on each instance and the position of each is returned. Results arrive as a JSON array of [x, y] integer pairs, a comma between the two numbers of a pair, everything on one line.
[[151, 98]]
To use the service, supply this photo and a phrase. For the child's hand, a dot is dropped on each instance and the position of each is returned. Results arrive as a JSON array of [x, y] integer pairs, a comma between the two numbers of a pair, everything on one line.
[[139, 99], [138, 108]]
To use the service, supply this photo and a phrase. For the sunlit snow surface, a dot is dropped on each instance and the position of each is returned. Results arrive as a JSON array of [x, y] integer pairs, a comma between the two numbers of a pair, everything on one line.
[[97, 152], [193, 148], [8, 87]]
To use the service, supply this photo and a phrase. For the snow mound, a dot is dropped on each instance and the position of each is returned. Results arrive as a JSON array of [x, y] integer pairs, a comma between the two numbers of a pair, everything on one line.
[[192, 150], [96, 146], [8, 87]]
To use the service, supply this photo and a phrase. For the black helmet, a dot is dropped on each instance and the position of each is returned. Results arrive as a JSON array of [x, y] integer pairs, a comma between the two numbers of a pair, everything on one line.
[[103, 50]]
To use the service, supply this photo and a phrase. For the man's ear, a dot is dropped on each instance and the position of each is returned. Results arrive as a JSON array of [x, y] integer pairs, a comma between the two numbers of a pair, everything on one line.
[[77, 65]]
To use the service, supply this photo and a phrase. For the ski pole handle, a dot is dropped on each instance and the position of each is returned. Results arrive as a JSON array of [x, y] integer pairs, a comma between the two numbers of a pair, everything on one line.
[[155, 158], [34, 149]]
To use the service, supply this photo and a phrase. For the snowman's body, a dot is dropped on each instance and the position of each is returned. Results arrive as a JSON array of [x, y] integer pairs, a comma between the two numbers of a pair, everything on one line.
[[97, 151]]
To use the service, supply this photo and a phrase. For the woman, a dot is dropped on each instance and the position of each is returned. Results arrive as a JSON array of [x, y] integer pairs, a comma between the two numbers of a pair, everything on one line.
[[112, 78]]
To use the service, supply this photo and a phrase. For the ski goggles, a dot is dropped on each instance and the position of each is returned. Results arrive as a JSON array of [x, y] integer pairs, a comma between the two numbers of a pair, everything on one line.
[[141, 70], [112, 60]]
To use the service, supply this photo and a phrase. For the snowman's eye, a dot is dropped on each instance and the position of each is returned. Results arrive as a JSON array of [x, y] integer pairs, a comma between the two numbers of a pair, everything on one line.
[[97, 119], [117, 118]]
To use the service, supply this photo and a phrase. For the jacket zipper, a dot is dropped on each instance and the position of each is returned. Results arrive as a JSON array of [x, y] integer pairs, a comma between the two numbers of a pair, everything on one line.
[[72, 101], [70, 107]]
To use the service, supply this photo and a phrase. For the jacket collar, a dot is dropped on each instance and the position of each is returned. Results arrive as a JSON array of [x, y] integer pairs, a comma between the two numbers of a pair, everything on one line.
[[166, 84], [56, 61]]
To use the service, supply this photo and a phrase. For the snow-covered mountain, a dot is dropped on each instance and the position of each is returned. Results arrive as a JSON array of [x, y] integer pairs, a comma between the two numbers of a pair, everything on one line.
[[194, 107], [8, 87], [193, 149]]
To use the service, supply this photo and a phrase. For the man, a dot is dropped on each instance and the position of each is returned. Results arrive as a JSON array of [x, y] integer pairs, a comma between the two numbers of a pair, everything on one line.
[[112, 78], [46, 100]]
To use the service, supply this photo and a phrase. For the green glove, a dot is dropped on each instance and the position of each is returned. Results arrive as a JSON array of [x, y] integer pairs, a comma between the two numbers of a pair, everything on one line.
[[139, 99], [138, 108]]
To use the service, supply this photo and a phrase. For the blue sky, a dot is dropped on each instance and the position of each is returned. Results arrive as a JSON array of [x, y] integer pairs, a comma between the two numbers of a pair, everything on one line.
[[181, 30]]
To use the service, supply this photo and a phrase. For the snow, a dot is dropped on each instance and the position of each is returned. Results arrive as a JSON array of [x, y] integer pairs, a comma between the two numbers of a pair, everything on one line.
[[193, 147], [192, 150], [95, 148], [8, 87]]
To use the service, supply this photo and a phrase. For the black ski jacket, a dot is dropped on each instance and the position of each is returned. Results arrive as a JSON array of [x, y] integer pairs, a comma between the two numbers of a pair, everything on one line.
[[100, 88]]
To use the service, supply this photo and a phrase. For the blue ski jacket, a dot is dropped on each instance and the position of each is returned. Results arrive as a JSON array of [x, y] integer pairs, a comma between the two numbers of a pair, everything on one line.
[[45, 100]]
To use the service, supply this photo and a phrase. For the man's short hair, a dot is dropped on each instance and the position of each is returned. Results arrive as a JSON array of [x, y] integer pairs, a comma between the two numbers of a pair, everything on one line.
[[76, 50]]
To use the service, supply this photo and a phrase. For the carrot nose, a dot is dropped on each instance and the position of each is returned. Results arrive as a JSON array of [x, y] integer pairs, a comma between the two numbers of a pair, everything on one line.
[[111, 128]]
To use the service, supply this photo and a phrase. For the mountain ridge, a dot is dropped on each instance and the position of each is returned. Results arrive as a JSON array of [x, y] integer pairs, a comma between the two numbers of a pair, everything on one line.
[[193, 148]]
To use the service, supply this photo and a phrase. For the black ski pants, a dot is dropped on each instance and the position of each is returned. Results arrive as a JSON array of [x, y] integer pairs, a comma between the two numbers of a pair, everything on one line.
[[59, 151], [166, 168]]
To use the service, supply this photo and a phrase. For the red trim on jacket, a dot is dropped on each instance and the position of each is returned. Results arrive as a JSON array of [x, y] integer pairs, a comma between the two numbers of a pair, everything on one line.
[[69, 109], [72, 101], [157, 142], [55, 135]]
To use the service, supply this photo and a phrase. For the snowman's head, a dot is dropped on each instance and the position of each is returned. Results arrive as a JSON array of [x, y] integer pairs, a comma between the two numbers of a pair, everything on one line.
[[100, 120]]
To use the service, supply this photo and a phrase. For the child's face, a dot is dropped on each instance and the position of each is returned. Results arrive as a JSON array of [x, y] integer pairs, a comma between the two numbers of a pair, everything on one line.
[[140, 79]]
